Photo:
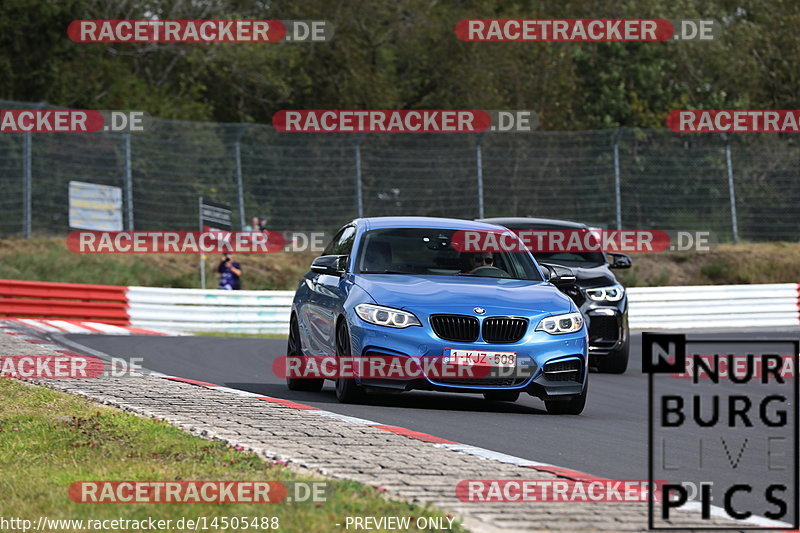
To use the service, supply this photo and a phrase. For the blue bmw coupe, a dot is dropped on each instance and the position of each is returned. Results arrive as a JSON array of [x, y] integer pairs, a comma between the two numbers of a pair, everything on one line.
[[398, 287]]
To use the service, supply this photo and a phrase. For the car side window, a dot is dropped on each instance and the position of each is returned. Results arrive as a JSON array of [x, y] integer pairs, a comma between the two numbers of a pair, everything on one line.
[[342, 243], [329, 249]]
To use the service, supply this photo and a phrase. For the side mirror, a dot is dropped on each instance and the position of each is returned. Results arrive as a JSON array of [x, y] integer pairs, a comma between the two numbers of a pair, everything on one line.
[[620, 260], [558, 275], [332, 265]]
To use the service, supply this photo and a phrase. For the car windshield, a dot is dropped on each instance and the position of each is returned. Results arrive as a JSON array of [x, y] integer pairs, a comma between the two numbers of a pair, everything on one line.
[[428, 251], [572, 259], [566, 258]]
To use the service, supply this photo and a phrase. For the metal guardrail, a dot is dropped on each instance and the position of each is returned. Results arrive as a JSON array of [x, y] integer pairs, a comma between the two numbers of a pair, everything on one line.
[[101, 303], [711, 306], [714, 306], [210, 310], [708, 306]]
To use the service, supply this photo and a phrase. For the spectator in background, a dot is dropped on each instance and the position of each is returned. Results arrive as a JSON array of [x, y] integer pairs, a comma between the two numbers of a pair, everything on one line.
[[230, 274], [255, 224], [262, 222]]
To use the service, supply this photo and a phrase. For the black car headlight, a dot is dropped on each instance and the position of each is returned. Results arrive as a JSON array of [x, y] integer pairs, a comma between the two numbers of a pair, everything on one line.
[[559, 324], [613, 293], [386, 316]]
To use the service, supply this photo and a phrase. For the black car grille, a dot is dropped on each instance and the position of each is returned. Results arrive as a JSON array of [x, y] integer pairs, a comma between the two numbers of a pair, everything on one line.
[[569, 370], [504, 329], [484, 382], [603, 328], [460, 328]]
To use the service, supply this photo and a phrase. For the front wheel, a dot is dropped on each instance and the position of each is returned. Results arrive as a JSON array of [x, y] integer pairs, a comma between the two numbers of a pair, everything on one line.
[[294, 349], [573, 406], [347, 391]]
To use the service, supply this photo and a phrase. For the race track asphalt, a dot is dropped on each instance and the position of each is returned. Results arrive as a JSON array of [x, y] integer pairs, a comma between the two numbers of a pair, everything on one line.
[[608, 440]]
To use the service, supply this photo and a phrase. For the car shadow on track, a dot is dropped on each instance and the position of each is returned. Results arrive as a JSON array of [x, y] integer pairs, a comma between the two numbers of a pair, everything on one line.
[[438, 401]]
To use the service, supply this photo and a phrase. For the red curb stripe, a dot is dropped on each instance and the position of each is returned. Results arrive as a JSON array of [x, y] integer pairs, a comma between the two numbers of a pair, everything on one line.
[[798, 302], [411, 434], [71, 353], [567, 473], [36, 341], [194, 382], [287, 403], [142, 331]]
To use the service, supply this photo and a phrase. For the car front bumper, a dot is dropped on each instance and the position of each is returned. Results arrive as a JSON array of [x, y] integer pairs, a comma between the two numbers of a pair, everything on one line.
[[548, 365], [608, 328]]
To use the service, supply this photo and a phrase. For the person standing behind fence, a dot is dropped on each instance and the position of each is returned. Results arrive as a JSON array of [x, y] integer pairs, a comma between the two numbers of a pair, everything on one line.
[[230, 274], [255, 224]]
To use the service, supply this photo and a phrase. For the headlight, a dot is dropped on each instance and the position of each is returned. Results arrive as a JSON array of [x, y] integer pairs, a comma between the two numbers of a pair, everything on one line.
[[386, 316], [613, 293], [558, 324]]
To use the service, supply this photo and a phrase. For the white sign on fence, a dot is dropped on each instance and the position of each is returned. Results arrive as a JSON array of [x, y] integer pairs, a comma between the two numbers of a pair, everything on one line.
[[95, 207]]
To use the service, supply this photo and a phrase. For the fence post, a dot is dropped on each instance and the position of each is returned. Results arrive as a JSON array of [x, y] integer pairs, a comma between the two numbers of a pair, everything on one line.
[[359, 195], [237, 151], [479, 172], [617, 180], [128, 179], [202, 255], [731, 191], [27, 162]]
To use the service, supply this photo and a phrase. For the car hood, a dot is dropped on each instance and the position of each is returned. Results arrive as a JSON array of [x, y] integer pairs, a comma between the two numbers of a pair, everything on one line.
[[594, 277], [454, 294]]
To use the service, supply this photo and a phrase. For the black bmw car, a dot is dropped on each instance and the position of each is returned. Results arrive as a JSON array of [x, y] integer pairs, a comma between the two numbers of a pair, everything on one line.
[[596, 291]]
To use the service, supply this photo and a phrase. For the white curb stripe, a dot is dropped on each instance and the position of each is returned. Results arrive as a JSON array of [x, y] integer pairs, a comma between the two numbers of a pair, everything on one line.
[[491, 455], [71, 327], [108, 328], [237, 392], [345, 418], [36, 324]]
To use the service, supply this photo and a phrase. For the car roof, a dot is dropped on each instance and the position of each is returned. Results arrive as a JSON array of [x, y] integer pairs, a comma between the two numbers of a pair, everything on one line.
[[424, 222], [533, 223]]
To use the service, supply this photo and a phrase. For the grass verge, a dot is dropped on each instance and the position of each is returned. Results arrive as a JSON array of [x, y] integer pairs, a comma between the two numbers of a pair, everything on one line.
[[48, 259], [727, 264], [49, 440]]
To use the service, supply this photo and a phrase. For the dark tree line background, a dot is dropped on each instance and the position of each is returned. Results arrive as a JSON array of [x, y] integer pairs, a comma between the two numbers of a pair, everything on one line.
[[402, 54]]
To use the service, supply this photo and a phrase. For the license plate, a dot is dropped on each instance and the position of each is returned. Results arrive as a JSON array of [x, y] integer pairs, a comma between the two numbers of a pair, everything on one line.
[[480, 358]]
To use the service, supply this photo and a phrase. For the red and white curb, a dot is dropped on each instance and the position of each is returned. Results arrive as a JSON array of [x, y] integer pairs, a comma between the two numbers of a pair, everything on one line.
[[467, 449], [85, 327], [438, 442]]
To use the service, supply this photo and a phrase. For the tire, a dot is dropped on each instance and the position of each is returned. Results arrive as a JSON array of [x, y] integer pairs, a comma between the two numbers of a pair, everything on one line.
[[501, 395], [615, 362], [347, 391], [573, 406], [293, 347]]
